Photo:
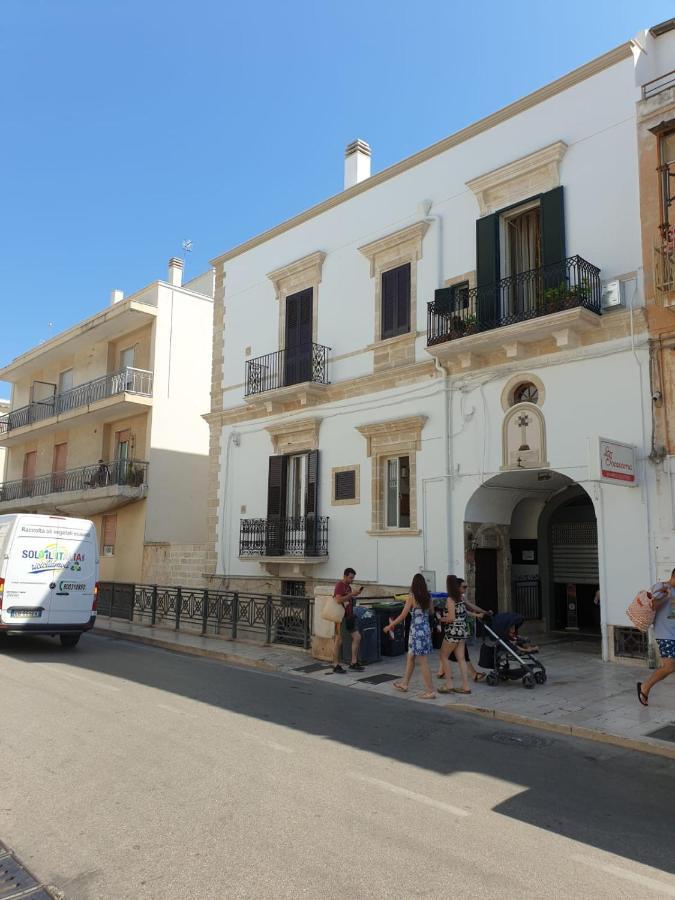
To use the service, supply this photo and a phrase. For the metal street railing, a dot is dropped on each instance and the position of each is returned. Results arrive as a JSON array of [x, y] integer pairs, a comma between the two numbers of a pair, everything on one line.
[[276, 618], [129, 380], [130, 472]]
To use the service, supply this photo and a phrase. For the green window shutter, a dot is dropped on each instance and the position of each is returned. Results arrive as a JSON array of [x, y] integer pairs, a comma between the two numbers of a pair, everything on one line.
[[487, 268], [552, 226], [276, 505]]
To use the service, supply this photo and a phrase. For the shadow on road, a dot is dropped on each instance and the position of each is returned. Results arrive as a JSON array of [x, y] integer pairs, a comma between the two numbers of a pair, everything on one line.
[[618, 801]]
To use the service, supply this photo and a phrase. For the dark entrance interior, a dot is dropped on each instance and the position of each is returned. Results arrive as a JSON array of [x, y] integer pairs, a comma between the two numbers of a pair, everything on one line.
[[298, 351], [573, 542], [486, 590]]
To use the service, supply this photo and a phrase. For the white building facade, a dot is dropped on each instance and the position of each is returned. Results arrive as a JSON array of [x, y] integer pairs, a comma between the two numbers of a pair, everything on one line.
[[445, 369]]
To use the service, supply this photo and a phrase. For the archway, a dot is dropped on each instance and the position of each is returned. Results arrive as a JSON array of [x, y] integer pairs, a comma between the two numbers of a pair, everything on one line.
[[531, 546]]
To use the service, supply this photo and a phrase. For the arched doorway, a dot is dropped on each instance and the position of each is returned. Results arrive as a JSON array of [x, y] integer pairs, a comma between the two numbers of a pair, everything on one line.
[[531, 547]]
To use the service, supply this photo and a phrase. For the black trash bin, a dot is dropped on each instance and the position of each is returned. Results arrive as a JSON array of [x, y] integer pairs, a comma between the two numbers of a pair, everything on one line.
[[368, 625], [392, 644], [439, 602]]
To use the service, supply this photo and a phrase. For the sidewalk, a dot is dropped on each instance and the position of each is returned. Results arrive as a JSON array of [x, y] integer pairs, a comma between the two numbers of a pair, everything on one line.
[[583, 696]]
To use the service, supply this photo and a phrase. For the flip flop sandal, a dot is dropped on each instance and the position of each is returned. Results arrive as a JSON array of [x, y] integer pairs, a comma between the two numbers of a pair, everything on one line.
[[427, 696], [479, 676], [444, 689], [400, 687], [643, 699], [460, 691]]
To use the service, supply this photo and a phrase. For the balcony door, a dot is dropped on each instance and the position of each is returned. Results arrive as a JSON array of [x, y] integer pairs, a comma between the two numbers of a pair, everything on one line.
[[292, 505], [127, 357], [28, 476], [122, 456], [59, 466], [521, 251], [298, 344]]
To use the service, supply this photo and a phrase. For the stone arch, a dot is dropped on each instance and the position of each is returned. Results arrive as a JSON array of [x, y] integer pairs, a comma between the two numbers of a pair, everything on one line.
[[512, 384]]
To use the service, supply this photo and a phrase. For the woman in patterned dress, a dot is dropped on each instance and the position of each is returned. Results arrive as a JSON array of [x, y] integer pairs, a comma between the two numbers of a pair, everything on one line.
[[418, 605], [456, 633]]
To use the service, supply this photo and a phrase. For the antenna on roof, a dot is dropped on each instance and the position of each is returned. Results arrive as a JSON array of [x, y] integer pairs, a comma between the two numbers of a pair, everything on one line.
[[187, 248]]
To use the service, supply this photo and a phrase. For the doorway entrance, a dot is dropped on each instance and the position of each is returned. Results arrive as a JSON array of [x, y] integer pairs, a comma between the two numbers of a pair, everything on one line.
[[486, 590]]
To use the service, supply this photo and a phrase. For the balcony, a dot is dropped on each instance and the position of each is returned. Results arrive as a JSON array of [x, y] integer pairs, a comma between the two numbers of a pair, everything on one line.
[[112, 395], [86, 491], [295, 372], [558, 301], [294, 541]]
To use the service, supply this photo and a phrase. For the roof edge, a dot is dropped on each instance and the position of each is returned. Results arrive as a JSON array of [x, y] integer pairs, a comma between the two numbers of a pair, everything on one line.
[[576, 76]]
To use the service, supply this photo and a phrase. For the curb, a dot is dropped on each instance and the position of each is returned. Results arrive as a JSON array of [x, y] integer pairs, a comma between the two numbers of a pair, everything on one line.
[[578, 731], [186, 650]]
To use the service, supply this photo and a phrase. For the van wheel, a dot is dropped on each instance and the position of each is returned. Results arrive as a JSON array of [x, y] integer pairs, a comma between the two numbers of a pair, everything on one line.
[[69, 640]]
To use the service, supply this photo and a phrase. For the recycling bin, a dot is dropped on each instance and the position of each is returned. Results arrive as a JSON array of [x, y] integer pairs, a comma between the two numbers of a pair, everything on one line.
[[368, 625], [392, 644]]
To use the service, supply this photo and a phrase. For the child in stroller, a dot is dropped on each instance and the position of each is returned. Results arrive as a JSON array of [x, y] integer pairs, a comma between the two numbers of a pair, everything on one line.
[[502, 648]]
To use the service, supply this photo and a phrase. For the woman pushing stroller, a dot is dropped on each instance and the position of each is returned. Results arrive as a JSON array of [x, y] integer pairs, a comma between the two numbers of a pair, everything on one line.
[[456, 634]]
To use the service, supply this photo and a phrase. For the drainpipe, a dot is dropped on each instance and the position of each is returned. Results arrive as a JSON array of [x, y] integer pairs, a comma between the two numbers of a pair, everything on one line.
[[425, 207]]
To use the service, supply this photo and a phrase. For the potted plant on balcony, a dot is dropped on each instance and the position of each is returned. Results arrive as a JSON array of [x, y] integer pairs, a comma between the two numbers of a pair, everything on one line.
[[565, 296]]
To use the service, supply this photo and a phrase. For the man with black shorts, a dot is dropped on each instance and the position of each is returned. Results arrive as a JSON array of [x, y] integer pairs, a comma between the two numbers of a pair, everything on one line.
[[345, 595]]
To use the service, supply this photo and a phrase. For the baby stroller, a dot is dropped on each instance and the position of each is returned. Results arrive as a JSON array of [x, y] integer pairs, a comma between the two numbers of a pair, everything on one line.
[[503, 653]]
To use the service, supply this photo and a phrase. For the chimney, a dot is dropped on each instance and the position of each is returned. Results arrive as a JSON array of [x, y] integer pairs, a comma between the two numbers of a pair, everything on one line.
[[116, 296], [175, 271], [357, 163]]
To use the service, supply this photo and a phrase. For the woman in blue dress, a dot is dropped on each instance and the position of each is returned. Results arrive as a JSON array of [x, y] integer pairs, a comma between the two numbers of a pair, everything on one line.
[[418, 605]]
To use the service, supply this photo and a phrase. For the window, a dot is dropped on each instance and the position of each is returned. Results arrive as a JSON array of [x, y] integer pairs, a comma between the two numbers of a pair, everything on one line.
[[345, 485], [296, 481], [396, 301], [526, 393], [397, 492], [666, 167], [127, 358], [293, 588], [522, 240], [109, 534], [65, 381]]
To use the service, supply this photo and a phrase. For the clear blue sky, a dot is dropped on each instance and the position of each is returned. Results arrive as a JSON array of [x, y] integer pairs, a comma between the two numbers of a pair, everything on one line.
[[130, 125]]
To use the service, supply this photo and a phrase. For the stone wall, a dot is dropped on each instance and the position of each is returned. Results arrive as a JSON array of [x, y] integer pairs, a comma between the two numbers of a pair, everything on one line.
[[175, 564]]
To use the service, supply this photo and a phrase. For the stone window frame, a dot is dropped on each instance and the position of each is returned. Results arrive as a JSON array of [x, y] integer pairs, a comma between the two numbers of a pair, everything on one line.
[[519, 180], [470, 278], [352, 501], [385, 441], [296, 436], [390, 252], [299, 275]]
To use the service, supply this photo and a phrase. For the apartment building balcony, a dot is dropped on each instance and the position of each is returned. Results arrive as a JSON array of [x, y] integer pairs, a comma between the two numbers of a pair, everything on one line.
[[559, 302], [125, 392], [85, 491], [296, 372], [274, 542]]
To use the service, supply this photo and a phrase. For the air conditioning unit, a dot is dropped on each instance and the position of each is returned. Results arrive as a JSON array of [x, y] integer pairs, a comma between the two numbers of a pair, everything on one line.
[[613, 295]]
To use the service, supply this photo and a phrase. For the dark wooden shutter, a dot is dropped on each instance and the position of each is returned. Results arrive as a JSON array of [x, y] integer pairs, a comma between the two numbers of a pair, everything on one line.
[[345, 485], [396, 301], [312, 503], [552, 209], [276, 506], [487, 268], [298, 350]]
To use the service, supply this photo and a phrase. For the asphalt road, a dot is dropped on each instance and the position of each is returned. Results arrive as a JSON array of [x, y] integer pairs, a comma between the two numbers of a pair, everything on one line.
[[132, 772]]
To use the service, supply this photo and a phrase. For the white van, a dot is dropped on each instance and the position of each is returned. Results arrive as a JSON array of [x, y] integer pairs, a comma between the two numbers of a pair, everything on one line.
[[48, 576]]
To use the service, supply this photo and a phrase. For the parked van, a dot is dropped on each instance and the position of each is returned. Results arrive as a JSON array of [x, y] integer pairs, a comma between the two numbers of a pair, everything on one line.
[[48, 576]]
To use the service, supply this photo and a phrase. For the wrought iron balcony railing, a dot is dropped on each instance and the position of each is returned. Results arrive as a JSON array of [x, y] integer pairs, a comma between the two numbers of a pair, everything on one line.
[[303, 536], [127, 472], [130, 381], [457, 313], [307, 363]]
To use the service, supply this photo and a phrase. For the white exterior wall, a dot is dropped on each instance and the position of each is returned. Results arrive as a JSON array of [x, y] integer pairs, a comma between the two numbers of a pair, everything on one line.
[[179, 436], [597, 390]]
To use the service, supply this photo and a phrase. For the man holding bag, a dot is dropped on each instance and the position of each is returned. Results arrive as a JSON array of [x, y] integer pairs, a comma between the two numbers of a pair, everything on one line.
[[346, 596], [663, 601]]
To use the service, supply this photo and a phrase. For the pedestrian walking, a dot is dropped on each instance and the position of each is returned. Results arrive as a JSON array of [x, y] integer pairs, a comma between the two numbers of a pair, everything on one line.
[[456, 633], [345, 594], [478, 612], [663, 601], [418, 605]]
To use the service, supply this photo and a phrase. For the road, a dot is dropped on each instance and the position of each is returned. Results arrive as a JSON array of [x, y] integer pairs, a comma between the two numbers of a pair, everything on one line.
[[132, 772]]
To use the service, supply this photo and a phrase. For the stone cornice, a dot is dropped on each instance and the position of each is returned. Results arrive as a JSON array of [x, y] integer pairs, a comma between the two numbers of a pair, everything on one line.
[[411, 236], [303, 271], [537, 171], [296, 434], [378, 433]]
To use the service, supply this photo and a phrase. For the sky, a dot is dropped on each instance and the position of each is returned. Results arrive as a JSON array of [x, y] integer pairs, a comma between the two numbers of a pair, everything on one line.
[[133, 125]]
